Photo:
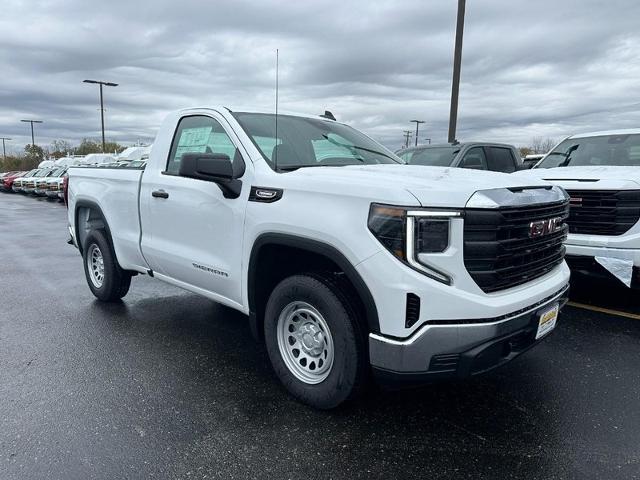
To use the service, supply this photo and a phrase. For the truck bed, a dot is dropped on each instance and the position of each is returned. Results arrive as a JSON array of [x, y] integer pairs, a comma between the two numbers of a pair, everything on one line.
[[116, 192]]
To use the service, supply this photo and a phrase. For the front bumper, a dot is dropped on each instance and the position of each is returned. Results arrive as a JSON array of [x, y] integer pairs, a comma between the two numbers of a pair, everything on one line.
[[632, 254], [458, 349], [587, 265]]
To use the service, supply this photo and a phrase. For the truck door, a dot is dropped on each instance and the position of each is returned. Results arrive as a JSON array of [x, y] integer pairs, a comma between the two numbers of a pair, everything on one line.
[[191, 233]]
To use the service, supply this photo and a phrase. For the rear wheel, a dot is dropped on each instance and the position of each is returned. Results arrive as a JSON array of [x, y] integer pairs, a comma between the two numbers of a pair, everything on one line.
[[107, 281], [314, 342]]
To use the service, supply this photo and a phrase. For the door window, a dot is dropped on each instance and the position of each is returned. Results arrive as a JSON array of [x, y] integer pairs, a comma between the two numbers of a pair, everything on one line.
[[474, 158], [198, 134], [502, 160]]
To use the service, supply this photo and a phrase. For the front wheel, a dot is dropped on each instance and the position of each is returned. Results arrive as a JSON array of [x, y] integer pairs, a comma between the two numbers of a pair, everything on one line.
[[314, 342], [107, 281]]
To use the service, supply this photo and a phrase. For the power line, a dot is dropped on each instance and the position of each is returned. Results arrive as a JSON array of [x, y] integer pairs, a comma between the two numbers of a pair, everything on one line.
[[407, 136], [4, 151], [417, 122]]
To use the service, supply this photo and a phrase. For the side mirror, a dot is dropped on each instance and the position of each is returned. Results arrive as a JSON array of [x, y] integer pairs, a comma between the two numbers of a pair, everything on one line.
[[214, 167]]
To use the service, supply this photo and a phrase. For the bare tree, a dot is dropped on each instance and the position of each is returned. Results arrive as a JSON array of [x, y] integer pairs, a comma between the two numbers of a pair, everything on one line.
[[524, 151], [60, 148], [548, 144], [542, 145]]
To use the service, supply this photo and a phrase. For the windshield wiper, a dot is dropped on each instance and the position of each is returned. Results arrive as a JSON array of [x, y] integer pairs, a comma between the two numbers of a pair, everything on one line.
[[355, 147], [568, 155], [289, 168]]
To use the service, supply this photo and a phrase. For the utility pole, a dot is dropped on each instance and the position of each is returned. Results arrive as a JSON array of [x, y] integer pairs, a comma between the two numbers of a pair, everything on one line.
[[457, 60], [417, 122], [101, 83], [4, 151], [407, 136], [33, 142]]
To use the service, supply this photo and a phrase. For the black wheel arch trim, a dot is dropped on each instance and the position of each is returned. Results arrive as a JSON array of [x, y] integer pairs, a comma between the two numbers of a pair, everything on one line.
[[317, 247], [94, 206]]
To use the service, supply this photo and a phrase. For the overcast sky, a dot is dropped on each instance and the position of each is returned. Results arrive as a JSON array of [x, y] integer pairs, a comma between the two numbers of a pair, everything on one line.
[[530, 68]]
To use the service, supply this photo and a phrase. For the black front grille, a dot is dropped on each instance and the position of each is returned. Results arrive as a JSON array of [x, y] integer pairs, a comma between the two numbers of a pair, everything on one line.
[[499, 251], [603, 212]]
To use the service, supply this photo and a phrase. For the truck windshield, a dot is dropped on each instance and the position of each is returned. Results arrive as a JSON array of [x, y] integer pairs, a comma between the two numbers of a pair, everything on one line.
[[611, 150], [308, 142], [434, 157]]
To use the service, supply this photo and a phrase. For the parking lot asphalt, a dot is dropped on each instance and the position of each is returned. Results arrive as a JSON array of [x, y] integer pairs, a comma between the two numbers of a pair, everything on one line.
[[167, 384]]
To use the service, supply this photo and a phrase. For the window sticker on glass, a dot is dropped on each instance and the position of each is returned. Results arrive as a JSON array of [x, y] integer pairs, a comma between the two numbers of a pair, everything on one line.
[[193, 140]]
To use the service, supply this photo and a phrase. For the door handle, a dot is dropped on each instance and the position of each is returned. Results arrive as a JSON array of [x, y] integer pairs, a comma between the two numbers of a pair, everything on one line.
[[159, 194]]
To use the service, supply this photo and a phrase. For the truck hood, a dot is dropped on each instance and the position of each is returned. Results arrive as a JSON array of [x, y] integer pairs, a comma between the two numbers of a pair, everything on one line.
[[587, 178], [430, 186]]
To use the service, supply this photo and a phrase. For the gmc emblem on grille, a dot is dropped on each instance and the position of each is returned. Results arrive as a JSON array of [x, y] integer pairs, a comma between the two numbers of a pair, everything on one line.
[[575, 201], [544, 227]]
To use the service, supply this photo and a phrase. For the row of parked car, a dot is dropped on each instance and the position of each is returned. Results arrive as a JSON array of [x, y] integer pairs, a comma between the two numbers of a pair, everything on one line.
[[48, 181]]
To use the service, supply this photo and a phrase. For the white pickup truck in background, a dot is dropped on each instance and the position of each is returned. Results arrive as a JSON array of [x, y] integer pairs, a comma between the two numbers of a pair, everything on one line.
[[346, 260], [601, 173]]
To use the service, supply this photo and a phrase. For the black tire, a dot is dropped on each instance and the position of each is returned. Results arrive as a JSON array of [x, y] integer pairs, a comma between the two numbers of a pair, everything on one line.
[[347, 377], [116, 281]]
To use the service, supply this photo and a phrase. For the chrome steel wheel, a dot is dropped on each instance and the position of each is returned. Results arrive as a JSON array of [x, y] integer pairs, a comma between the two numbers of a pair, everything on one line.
[[95, 265], [305, 342]]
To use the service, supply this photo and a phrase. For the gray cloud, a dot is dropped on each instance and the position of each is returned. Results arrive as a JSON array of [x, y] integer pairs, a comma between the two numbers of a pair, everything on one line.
[[543, 68]]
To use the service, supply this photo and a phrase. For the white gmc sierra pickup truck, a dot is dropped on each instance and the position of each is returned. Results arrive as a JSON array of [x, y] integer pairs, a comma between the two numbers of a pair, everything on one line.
[[601, 173], [346, 260]]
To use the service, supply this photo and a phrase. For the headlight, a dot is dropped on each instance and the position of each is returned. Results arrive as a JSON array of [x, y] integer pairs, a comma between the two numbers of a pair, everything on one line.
[[388, 224], [408, 232]]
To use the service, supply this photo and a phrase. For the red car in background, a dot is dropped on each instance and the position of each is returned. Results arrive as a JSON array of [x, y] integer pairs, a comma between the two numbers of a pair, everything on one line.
[[6, 183], [65, 190]]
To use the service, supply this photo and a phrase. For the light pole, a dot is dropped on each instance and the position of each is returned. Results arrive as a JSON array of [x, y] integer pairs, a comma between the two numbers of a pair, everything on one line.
[[417, 122], [33, 142], [428, 140], [101, 83], [457, 60], [4, 151]]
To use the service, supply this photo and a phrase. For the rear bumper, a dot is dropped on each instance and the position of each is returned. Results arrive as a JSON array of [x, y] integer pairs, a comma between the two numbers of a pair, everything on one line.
[[457, 349]]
